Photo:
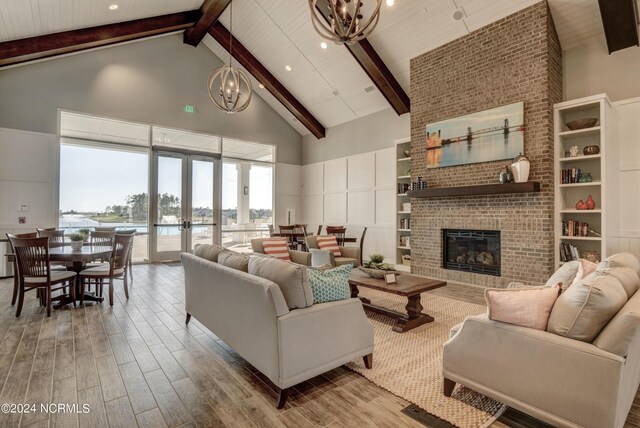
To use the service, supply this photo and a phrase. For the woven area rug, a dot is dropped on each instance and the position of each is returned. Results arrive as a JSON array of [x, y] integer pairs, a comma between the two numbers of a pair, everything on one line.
[[409, 364]]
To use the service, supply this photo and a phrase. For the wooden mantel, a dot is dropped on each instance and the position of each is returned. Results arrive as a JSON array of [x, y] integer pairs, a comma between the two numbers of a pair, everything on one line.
[[481, 189]]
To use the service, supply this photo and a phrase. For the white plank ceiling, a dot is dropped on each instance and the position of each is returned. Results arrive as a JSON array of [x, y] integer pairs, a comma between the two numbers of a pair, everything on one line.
[[328, 82]]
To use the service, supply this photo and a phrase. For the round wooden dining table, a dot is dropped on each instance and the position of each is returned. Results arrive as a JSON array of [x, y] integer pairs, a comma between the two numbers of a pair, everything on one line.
[[76, 261]]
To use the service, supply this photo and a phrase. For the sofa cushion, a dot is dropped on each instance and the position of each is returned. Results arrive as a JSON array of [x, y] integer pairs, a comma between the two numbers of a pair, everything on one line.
[[627, 277], [585, 308], [585, 268], [234, 260], [276, 247], [209, 252], [331, 284], [622, 260], [565, 274], [290, 277], [329, 243], [527, 307]]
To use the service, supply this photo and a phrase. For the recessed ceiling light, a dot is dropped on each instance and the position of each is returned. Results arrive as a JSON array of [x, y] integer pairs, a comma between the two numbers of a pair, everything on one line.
[[391, 2], [458, 14], [113, 6], [287, 67], [261, 86], [323, 45]]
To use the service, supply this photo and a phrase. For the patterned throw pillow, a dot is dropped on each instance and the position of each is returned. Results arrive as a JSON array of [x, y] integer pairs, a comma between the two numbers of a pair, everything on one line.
[[276, 247], [329, 243], [331, 284]]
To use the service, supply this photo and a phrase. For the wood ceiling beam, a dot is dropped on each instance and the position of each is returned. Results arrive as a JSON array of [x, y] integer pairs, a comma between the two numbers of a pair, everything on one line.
[[377, 70], [620, 22], [264, 76], [211, 11], [32, 48]]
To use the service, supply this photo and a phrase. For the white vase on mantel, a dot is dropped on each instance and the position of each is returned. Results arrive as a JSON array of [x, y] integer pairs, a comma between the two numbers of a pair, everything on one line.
[[520, 168]]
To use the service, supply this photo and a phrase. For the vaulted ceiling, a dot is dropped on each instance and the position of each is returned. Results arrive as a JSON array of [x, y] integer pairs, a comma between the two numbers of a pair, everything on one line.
[[328, 82]]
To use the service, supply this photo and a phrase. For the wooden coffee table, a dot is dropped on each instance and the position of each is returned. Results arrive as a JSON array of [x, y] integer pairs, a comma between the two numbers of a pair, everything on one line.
[[408, 285]]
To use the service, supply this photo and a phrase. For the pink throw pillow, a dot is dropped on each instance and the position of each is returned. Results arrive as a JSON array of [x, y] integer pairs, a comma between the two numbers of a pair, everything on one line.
[[585, 269], [527, 307], [329, 243], [276, 247]]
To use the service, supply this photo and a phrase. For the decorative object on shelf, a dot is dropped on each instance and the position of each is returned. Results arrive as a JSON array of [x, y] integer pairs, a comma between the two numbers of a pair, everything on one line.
[[590, 204], [585, 177], [342, 21], [500, 132], [229, 87], [592, 149], [406, 259], [581, 205], [76, 241], [567, 153], [520, 168], [419, 185], [407, 153], [375, 267], [591, 255], [573, 151], [406, 207], [505, 175], [588, 122], [408, 172]]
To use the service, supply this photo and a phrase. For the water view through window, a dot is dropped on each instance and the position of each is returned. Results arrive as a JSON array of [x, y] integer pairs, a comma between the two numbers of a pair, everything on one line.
[[105, 187]]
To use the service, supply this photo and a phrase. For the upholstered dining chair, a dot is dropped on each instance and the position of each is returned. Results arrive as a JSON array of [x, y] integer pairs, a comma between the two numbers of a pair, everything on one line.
[[116, 268], [34, 273], [131, 232]]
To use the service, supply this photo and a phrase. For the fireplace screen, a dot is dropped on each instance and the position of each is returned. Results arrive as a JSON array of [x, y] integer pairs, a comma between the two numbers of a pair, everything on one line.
[[475, 251]]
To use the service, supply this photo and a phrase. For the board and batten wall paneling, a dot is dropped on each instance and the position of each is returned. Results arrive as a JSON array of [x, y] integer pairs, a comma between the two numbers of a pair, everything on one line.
[[628, 238], [355, 191], [288, 193], [28, 175]]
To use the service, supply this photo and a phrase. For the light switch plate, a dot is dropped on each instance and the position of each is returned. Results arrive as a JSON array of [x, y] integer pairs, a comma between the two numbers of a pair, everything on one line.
[[23, 208]]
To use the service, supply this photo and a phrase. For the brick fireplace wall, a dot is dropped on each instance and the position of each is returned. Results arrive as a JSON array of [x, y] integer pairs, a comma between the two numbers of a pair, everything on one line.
[[517, 58]]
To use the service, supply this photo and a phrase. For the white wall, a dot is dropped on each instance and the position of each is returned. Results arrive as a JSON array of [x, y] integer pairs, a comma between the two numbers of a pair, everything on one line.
[[589, 70], [629, 138], [288, 194], [28, 175], [355, 191]]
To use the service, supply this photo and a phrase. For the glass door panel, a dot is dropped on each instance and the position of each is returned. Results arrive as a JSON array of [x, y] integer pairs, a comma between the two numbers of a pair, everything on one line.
[[169, 223], [202, 227]]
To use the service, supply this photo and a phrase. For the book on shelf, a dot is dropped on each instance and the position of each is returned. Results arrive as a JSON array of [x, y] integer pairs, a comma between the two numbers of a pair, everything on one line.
[[575, 228], [570, 175], [569, 252]]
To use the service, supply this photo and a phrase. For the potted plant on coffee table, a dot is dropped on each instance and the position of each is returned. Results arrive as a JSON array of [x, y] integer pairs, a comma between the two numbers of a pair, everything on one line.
[[375, 267]]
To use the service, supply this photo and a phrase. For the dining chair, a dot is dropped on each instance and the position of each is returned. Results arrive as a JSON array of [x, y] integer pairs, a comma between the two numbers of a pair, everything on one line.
[[319, 232], [56, 237], [129, 264], [272, 231], [287, 232], [34, 273], [15, 263], [339, 232], [300, 234], [364, 232], [101, 238], [104, 228], [116, 268]]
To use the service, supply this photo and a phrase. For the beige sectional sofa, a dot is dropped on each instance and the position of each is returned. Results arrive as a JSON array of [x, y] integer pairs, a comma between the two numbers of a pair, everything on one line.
[[273, 323], [557, 379]]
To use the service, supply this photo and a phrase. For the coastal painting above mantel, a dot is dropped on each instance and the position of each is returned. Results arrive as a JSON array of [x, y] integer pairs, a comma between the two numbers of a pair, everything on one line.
[[484, 136]]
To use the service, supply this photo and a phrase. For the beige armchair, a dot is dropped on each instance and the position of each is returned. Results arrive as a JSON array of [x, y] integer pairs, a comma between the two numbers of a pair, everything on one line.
[[299, 257], [350, 255]]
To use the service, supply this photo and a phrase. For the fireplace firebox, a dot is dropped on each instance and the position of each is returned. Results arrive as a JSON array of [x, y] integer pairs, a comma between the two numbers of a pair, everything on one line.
[[476, 251]]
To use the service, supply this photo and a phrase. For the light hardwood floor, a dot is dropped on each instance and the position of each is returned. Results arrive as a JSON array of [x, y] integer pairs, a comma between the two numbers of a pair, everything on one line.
[[137, 363]]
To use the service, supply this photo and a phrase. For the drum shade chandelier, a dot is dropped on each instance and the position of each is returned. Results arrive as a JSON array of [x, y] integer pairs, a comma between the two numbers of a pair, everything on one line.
[[344, 22], [229, 87]]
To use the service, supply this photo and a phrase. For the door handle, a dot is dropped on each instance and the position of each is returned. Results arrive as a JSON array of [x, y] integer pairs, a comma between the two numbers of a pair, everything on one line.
[[188, 225]]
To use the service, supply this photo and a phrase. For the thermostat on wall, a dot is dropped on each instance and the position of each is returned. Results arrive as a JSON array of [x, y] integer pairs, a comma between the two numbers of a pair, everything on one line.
[[23, 208]]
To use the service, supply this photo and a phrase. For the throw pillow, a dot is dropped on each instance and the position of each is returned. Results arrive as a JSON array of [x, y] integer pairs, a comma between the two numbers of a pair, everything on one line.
[[206, 251], [234, 260], [329, 243], [585, 268], [585, 308], [290, 277], [331, 284], [565, 274], [627, 277], [277, 247], [527, 307]]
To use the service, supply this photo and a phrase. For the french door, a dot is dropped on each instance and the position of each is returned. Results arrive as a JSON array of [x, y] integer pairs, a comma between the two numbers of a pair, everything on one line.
[[184, 203]]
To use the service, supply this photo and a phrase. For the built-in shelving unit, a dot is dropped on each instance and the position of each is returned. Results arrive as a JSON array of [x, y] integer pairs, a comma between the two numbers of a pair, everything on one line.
[[403, 216], [603, 167]]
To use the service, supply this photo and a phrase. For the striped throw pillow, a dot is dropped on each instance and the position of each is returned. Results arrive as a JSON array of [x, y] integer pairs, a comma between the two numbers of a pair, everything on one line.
[[329, 243], [276, 247]]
